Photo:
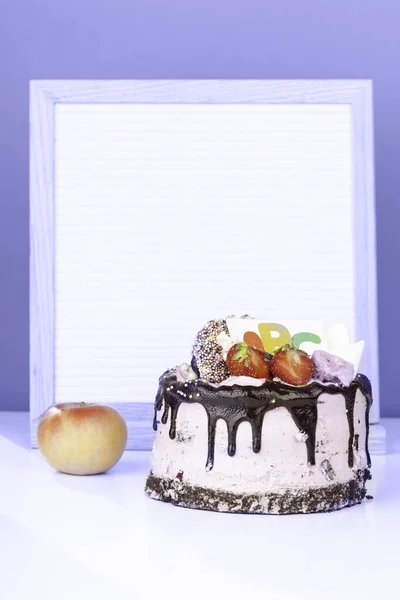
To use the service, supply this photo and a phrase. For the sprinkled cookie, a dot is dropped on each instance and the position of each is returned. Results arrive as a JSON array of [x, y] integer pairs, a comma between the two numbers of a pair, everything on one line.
[[207, 352]]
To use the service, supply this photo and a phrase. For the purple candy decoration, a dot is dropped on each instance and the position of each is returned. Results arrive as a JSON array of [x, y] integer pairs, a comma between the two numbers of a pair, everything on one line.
[[331, 368]]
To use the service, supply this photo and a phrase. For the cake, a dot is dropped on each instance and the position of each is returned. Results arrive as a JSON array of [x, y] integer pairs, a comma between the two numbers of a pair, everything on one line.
[[247, 427]]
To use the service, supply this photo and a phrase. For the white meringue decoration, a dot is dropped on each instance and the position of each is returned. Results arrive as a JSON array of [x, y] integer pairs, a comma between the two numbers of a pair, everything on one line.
[[337, 342], [184, 372], [226, 342]]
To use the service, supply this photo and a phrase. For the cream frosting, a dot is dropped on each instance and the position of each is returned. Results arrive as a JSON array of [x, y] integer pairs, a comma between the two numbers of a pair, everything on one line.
[[282, 460]]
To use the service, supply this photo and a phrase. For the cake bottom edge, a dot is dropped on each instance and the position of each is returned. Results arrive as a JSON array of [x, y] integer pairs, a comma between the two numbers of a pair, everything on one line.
[[334, 496]]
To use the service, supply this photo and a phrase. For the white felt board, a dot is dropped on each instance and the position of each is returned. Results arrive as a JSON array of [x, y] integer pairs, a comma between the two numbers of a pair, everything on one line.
[[168, 215]]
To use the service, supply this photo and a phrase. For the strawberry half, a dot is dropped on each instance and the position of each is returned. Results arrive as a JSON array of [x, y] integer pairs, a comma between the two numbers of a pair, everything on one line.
[[244, 360], [292, 365]]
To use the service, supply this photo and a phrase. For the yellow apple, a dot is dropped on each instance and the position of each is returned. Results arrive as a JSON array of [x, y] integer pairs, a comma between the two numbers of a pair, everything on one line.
[[82, 439]]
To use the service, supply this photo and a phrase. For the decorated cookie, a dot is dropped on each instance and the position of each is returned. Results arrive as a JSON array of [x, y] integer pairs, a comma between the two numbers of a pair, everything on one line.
[[208, 353], [185, 372], [210, 350]]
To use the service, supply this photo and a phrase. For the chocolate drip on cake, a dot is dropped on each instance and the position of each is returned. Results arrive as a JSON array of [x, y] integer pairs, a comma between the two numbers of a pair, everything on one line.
[[235, 404], [305, 418], [366, 389], [350, 402]]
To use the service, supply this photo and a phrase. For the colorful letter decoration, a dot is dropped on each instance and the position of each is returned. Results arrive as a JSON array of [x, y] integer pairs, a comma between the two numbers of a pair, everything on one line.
[[253, 339], [305, 336], [267, 342], [272, 343]]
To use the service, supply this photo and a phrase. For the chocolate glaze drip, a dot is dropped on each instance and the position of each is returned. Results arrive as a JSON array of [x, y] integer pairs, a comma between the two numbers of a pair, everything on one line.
[[305, 418], [235, 404], [350, 401]]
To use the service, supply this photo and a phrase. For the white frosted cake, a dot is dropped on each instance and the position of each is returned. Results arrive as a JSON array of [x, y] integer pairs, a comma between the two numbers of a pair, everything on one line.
[[242, 429]]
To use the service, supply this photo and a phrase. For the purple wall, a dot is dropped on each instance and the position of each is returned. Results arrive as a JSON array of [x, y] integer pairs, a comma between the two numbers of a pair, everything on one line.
[[127, 39]]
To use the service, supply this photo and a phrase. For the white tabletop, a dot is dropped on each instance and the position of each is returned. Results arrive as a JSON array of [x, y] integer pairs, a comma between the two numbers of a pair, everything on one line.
[[67, 538]]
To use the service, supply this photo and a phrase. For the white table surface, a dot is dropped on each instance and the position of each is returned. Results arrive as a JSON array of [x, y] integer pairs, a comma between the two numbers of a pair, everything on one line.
[[67, 538]]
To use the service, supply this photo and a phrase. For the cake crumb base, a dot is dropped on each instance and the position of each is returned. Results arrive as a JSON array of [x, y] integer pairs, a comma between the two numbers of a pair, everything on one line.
[[313, 500]]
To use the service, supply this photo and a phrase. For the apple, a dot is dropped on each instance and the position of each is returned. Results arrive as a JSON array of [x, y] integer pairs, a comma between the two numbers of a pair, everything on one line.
[[82, 439]]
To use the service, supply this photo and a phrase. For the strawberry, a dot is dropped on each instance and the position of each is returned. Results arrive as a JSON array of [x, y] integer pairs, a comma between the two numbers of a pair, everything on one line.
[[242, 359], [292, 365]]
